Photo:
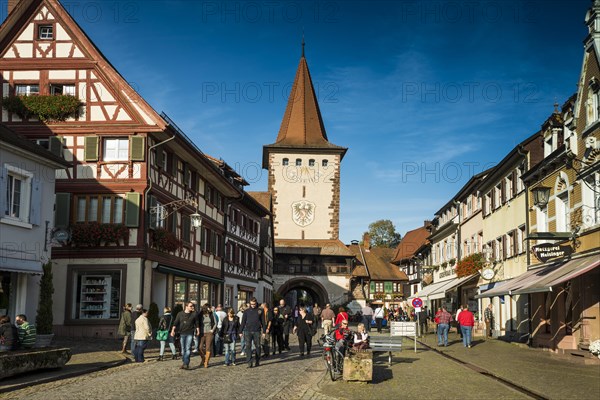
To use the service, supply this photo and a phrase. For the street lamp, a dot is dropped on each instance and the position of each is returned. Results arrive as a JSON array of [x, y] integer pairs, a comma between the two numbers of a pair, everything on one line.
[[541, 195], [173, 206]]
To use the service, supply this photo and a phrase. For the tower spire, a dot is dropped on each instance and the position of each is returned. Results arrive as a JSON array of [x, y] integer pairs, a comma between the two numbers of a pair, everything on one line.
[[303, 43]]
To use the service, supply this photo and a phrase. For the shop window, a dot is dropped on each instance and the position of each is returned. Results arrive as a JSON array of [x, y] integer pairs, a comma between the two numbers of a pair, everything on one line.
[[180, 291], [204, 293], [97, 293], [228, 301], [193, 290]]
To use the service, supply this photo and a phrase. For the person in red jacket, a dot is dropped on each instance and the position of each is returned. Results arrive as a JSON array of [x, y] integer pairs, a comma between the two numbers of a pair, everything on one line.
[[466, 321]]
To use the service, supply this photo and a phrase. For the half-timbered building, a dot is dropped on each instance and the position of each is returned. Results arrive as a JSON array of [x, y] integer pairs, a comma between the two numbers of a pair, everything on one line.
[[136, 185]]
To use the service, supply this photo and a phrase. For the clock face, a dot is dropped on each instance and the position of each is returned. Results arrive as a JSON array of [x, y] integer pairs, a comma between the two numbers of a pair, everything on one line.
[[487, 273]]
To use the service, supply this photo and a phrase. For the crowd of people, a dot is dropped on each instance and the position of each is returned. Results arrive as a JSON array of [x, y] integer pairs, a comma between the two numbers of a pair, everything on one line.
[[21, 335], [257, 331]]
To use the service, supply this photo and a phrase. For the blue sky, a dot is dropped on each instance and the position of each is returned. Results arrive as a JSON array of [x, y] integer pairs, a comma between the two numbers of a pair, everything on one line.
[[423, 93]]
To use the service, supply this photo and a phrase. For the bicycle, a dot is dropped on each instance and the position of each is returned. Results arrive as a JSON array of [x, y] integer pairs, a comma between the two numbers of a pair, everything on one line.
[[334, 359]]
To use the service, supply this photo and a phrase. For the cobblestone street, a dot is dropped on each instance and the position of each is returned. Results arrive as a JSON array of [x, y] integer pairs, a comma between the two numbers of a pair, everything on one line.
[[424, 374]]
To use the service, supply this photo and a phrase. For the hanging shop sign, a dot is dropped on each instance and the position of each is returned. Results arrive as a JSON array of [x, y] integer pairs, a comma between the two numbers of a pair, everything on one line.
[[548, 251]]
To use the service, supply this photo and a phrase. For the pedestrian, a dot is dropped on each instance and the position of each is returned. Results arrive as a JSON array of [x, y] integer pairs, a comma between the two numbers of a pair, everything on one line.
[[240, 315], [467, 321], [342, 316], [8, 334], [378, 318], [422, 316], [208, 327], [277, 330], [251, 327], [488, 316], [134, 316], [296, 313], [26, 332], [165, 323], [458, 330], [196, 345], [221, 315], [186, 323], [342, 335], [327, 318], [230, 331], [286, 311], [367, 316], [317, 314], [303, 328], [143, 334], [125, 327], [444, 319], [267, 316]]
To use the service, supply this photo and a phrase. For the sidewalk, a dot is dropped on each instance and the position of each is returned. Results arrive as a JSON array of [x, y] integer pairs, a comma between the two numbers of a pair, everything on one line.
[[541, 372], [87, 355]]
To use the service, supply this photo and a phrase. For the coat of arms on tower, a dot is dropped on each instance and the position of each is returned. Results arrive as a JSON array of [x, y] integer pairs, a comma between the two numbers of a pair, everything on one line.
[[303, 212]]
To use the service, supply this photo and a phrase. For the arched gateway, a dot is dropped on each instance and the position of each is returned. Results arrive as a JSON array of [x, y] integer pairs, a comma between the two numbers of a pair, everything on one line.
[[303, 290]]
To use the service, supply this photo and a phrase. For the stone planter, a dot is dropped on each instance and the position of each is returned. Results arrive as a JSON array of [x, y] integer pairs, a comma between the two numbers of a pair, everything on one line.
[[359, 366], [43, 340]]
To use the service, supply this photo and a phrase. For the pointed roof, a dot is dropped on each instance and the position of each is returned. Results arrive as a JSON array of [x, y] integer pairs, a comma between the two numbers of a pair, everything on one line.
[[302, 125], [302, 122]]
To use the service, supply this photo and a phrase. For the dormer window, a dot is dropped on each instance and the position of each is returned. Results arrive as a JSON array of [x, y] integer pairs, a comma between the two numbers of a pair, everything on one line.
[[324, 163], [298, 162], [311, 163], [45, 32], [285, 162]]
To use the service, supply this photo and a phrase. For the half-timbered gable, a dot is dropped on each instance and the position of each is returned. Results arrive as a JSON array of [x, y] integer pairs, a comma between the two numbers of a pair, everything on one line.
[[136, 179]]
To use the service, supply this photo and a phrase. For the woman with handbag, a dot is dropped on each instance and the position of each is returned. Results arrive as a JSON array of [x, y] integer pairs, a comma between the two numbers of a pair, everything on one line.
[[230, 330], [162, 334], [208, 327], [303, 329]]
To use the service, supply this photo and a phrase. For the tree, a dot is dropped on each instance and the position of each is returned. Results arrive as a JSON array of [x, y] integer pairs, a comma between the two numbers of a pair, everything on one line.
[[383, 234], [44, 318]]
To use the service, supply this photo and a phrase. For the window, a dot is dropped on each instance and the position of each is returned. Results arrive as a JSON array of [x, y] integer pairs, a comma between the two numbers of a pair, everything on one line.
[[563, 221], [510, 244], [285, 162], [45, 32], [497, 196], [311, 163], [116, 149], [541, 222], [27, 90], [593, 102], [520, 239], [498, 250], [324, 163], [18, 193], [591, 200], [469, 206], [298, 162], [104, 209], [379, 286], [508, 187], [95, 293], [56, 89]]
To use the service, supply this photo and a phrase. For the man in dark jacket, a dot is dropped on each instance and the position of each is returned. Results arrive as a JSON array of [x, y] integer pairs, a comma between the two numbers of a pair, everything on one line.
[[187, 324], [252, 323], [288, 324]]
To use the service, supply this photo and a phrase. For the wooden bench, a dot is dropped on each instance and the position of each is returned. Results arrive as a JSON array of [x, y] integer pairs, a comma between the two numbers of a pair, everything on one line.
[[389, 345]]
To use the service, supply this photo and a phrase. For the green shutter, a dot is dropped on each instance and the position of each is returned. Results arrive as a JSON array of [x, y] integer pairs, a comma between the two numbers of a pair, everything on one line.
[[91, 148], [56, 145], [63, 208], [136, 148], [372, 287], [132, 210], [387, 287]]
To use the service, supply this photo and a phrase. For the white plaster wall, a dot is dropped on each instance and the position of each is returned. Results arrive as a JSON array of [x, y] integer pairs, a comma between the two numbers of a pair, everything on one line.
[[291, 182]]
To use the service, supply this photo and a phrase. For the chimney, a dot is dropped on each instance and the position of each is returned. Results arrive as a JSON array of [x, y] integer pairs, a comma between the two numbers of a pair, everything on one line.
[[366, 241], [12, 4]]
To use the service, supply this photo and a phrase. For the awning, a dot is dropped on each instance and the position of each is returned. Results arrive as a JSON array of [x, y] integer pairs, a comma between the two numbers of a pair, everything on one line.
[[565, 272], [510, 286], [21, 266], [429, 289], [186, 274], [449, 286]]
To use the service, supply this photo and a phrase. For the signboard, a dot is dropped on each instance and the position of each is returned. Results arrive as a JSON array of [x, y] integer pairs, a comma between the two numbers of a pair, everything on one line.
[[403, 328], [417, 302], [547, 251]]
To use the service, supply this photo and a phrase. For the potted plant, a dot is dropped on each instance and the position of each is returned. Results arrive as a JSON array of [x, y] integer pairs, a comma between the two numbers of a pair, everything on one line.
[[44, 318], [45, 108]]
